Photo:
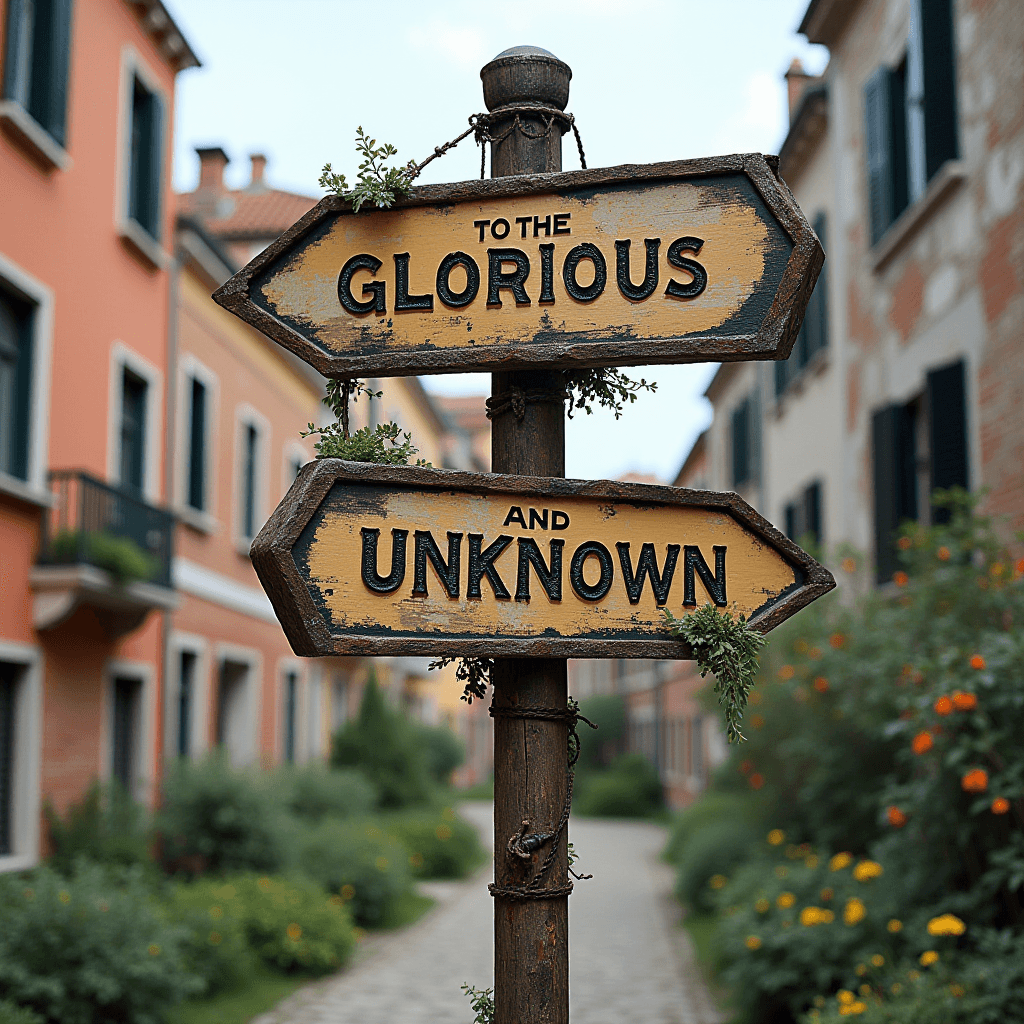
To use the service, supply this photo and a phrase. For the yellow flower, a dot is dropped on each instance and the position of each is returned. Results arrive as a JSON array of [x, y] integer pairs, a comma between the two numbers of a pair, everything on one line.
[[443, 832], [895, 926], [153, 949], [753, 942], [878, 960], [928, 958], [264, 884], [811, 916], [216, 913], [718, 881], [914, 975], [786, 900], [840, 861], [854, 911], [845, 997], [294, 931], [348, 891], [896, 988], [867, 869], [776, 837], [946, 924], [865, 989], [956, 990], [762, 906], [65, 897], [857, 1007], [861, 970]]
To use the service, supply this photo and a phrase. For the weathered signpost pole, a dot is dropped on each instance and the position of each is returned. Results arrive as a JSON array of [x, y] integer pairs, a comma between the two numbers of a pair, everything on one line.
[[531, 936]]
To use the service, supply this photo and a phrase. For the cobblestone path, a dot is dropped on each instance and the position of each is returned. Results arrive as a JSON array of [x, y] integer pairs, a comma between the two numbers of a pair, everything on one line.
[[628, 963]]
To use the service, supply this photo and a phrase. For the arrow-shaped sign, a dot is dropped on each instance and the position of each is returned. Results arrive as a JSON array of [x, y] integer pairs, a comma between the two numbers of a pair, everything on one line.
[[361, 559], [688, 261]]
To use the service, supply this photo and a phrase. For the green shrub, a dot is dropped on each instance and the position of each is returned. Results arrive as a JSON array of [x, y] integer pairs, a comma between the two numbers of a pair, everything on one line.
[[358, 861], [710, 809], [443, 751], [383, 744], [11, 1014], [216, 818], [717, 849], [629, 788], [106, 827], [120, 556], [314, 791], [83, 950], [599, 747], [438, 844]]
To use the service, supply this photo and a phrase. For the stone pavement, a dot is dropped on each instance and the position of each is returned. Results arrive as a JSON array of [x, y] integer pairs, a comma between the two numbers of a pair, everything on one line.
[[628, 963]]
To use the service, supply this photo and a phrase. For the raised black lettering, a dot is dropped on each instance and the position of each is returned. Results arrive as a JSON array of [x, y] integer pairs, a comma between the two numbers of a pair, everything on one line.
[[481, 564], [561, 225], [364, 261], [647, 565], [404, 302], [377, 583], [559, 520], [497, 279], [693, 561], [578, 253], [550, 579], [700, 276], [515, 515], [538, 224], [536, 517], [525, 222], [506, 228], [444, 292], [637, 293], [547, 272], [447, 571], [481, 224], [591, 549]]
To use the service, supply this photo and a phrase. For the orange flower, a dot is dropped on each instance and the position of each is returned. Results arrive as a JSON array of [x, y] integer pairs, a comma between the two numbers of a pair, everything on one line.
[[746, 767], [922, 743], [821, 684], [904, 543], [787, 672], [975, 781], [850, 565], [901, 579], [757, 721], [837, 640], [1019, 568], [977, 661], [965, 701], [896, 817], [756, 780], [1000, 805], [943, 553], [943, 706]]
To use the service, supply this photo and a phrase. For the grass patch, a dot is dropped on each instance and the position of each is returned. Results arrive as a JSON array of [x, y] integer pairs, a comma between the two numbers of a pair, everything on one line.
[[262, 992], [701, 929], [481, 791]]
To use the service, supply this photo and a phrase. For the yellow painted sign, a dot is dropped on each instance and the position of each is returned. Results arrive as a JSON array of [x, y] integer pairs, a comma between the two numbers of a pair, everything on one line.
[[384, 560], [673, 262]]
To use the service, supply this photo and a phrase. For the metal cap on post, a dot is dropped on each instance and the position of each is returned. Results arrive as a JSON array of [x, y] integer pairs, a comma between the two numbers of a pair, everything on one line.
[[526, 89]]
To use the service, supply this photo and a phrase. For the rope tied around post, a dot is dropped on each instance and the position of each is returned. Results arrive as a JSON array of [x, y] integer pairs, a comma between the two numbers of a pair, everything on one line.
[[516, 399], [523, 844]]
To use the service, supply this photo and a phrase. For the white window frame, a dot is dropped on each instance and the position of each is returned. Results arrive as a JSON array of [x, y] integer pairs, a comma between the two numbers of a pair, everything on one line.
[[199, 732], [189, 369], [123, 358], [247, 416], [35, 488], [27, 761], [144, 768], [293, 451], [132, 67], [251, 658]]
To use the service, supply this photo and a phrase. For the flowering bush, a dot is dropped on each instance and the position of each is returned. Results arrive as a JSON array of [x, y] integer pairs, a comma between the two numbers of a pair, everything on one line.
[[439, 844]]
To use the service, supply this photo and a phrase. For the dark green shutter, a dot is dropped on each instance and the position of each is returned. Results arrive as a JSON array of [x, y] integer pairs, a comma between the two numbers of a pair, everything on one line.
[[895, 480], [60, 61], [155, 164], [790, 516], [16, 55], [812, 511], [197, 448], [947, 408], [741, 444], [781, 367], [877, 135], [939, 62], [817, 309], [21, 427]]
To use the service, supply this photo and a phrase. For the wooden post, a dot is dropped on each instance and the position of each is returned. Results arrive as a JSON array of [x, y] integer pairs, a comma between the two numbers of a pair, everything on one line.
[[531, 937]]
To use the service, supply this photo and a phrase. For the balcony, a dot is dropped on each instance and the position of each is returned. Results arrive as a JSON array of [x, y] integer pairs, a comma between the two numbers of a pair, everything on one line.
[[105, 549]]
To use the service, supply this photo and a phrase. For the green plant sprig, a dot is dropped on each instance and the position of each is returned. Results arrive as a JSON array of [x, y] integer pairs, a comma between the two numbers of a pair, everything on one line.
[[605, 386], [376, 183], [475, 673], [726, 647], [481, 1003]]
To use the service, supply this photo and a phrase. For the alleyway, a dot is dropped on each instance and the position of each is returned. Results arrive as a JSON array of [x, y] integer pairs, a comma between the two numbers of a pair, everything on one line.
[[628, 965]]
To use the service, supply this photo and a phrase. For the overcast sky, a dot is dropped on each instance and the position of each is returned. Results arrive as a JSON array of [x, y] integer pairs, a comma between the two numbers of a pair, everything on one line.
[[652, 80]]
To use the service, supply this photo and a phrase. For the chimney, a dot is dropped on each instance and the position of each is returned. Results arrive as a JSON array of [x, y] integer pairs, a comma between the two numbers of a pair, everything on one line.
[[212, 161], [259, 165], [796, 82]]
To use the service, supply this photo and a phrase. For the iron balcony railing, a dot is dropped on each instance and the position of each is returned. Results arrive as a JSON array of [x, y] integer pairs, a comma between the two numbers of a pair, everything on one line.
[[97, 524]]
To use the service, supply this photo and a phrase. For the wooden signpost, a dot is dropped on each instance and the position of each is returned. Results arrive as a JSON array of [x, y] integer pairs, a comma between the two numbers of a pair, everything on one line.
[[528, 275]]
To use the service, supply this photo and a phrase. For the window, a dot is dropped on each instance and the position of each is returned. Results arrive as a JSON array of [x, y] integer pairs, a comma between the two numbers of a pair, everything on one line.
[[910, 116], [186, 700], [250, 453], [146, 158], [291, 684], [8, 683], [38, 47], [127, 694], [803, 515], [16, 322], [813, 336], [745, 442], [196, 489], [234, 727], [918, 448], [133, 431]]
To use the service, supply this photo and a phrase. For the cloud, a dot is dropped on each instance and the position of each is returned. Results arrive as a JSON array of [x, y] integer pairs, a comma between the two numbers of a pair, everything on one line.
[[758, 125], [459, 44]]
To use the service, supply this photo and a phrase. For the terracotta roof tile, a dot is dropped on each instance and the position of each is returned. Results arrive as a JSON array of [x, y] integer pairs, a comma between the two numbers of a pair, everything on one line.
[[244, 213]]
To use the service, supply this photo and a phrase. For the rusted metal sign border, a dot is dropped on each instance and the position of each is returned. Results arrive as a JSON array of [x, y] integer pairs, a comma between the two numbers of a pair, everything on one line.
[[310, 636], [774, 339]]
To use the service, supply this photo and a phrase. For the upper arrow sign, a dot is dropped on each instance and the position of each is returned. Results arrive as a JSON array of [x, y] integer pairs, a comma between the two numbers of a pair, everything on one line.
[[679, 262]]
